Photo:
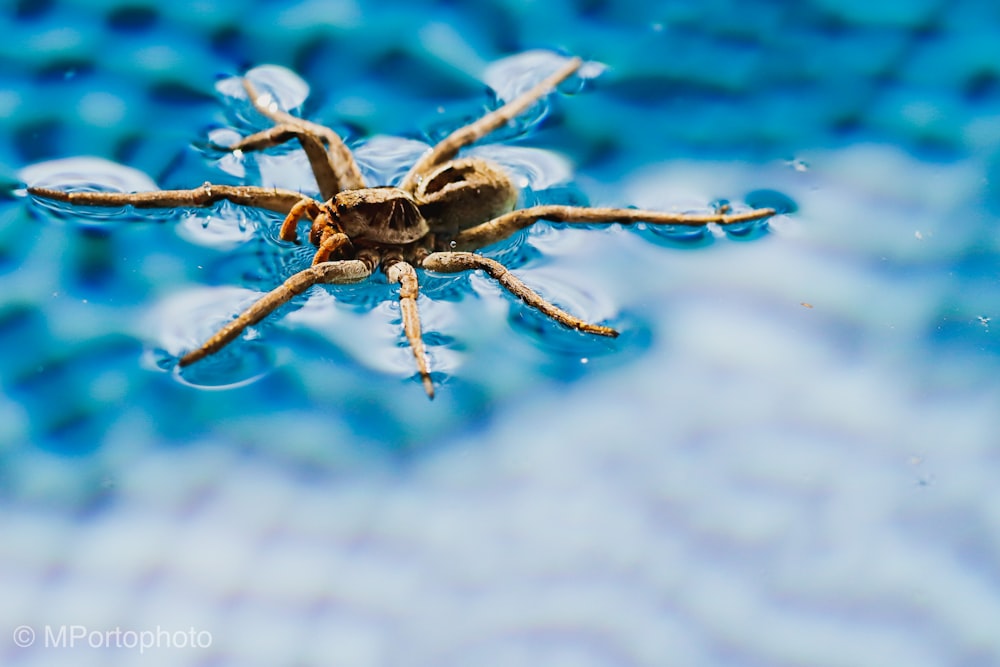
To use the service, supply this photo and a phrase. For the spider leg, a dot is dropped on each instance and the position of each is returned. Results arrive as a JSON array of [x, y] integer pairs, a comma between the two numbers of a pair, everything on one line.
[[453, 262], [402, 273], [346, 271], [448, 147], [332, 163], [271, 199], [503, 226]]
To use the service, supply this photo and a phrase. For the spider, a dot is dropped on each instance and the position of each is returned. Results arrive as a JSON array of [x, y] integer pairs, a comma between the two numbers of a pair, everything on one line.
[[444, 209]]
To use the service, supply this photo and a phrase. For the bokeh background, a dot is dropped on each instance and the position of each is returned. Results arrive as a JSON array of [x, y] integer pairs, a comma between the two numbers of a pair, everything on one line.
[[788, 458]]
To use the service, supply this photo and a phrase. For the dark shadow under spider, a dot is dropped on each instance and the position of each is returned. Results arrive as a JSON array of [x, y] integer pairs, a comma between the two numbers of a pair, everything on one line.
[[445, 208]]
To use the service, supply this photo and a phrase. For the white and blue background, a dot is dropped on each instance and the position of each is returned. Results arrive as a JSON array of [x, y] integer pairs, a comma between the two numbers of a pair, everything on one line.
[[789, 458]]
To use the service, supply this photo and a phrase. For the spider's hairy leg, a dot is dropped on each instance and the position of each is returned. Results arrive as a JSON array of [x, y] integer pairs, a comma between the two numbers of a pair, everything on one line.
[[271, 199], [503, 226], [448, 147], [402, 273], [346, 271], [332, 164], [454, 262], [334, 171]]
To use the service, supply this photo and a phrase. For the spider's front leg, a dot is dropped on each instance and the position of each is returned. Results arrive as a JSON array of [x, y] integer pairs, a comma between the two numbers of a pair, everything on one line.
[[271, 199], [346, 271], [331, 161], [454, 262], [401, 272], [503, 226]]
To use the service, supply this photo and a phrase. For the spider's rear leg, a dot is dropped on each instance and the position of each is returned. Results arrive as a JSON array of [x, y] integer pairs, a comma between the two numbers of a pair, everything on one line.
[[454, 262], [402, 273], [347, 271], [448, 147], [271, 199], [503, 226]]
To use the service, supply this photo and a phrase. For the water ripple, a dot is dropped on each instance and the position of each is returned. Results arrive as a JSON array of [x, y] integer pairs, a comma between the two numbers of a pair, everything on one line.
[[515, 75], [279, 88], [384, 160], [86, 173], [533, 168], [225, 229], [185, 320]]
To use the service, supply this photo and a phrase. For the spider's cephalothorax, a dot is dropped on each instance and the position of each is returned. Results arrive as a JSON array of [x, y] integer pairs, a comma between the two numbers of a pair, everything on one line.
[[444, 208], [380, 215]]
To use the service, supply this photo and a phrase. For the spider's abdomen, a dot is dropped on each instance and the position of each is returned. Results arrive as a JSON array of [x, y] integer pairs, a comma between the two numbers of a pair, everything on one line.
[[463, 193], [383, 215]]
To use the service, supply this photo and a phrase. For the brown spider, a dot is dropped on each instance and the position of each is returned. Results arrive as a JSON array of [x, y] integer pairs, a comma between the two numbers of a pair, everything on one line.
[[444, 208]]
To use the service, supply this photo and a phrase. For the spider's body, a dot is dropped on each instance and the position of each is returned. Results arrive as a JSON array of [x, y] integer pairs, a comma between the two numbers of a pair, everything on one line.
[[384, 215], [458, 195], [443, 209]]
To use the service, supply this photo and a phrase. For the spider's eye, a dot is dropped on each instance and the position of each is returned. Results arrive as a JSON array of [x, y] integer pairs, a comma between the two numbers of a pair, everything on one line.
[[341, 207]]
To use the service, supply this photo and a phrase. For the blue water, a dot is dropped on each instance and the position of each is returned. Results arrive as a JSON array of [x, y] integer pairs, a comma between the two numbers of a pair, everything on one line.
[[787, 458]]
